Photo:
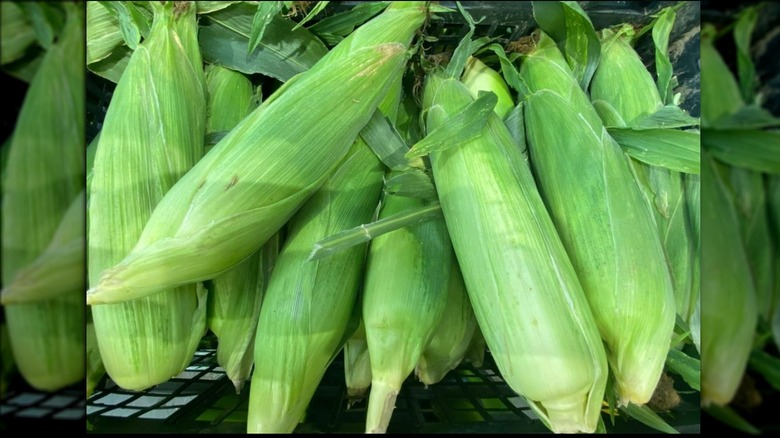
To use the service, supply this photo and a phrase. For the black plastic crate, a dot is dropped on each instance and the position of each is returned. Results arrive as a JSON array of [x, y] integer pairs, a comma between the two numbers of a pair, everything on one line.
[[468, 400]]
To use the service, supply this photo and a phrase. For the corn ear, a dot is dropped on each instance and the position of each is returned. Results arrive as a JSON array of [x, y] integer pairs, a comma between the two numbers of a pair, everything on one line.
[[475, 354], [525, 293], [95, 368], [44, 173], [225, 209], [230, 98], [307, 308], [357, 363], [152, 134], [750, 201], [603, 221], [728, 303], [621, 79], [235, 296], [622, 82], [479, 77], [404, 297], [452, 338]]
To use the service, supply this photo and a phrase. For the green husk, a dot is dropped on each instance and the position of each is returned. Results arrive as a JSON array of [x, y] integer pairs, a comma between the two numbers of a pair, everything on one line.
[[452, 338], [152, 134], [404, 298], [603, 220], [525, 293], [223, 210]]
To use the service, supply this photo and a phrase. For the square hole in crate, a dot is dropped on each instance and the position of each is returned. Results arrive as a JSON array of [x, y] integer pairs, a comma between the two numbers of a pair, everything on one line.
[[113, 399], [120, 412], [58, 401], [180, 401], [26, 399], [33, 412], [146, 401], [158, 414], [69, 414]]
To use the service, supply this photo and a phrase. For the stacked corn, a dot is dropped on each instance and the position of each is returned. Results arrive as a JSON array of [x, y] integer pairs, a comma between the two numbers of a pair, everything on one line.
[[255, 186]]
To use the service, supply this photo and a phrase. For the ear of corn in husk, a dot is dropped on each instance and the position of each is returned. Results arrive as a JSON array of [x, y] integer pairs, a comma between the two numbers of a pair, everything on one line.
[[692, 187], [479, 77], [525, 293], [235, 296], [404, 298], [230, 98], [622, 82], [728, 303], [750, 202], [603, 221], [43, 176], [357, 363], [252, 182], [95, 368], [152, 134], [306, 312], [475, 354], [452, 337], [234, 302]]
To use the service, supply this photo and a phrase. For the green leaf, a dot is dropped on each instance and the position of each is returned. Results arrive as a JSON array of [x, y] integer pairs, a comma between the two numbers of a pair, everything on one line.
[[103, 34], [461, 128], [355, 236], [113, 66], [752, 149], [515, 123], [730, 417], [668, 116], [381, 136], [746, 70], [663, 66], [16, 33], [24, 69], [767, 365], [281, 53], [608, 114], [266, 12], [132, 23], [414, 183], [669, 148], [207, 7], [508, 70], [687, 367], [313, 13], [646, 416], [334, 28], [747, 117], [465, 47], [569, 26], [46, 20]]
